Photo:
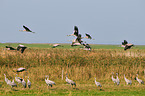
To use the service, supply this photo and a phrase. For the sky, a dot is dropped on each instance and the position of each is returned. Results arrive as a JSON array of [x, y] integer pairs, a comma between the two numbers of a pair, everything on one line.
[[107, 21]]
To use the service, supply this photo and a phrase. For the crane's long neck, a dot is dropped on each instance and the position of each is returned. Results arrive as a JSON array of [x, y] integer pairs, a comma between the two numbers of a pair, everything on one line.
[[124, 77], [95, 80]]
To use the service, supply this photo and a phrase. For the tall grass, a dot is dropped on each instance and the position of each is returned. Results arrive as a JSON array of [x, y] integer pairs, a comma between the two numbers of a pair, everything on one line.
[[82, 67]]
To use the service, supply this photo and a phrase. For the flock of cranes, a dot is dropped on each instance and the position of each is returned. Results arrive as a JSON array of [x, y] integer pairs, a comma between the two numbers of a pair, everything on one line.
[[69, 81], [18, 79], [77, 41]]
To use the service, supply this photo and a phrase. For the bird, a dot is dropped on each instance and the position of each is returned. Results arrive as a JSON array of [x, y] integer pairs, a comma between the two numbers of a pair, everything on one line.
[[86, 46], [70, 81], [126, 45], [125, 42], [23, 83], [98, 83], [139, 80], [13, 84], [79, 39], [55, 45], [6, 79], [28, 82], [127, 80], [75, 43], [21, 69], [88, 36], [49, 82], [117, 79], [113, 79], [22, 47], [76, 32], [10, 48], [26, 29], [18, 79]]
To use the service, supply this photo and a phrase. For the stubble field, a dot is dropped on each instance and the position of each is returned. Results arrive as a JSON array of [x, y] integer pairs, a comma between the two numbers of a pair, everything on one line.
[[80, 65]]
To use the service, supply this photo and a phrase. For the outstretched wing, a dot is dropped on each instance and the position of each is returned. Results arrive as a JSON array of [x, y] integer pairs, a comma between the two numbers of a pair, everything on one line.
[[88, 36], [76, 31], [26, 28], [125, 42], [23, 48]]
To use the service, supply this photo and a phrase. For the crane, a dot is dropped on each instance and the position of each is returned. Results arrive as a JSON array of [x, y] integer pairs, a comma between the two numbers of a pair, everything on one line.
[[13, 84], [126, 45], [76, 32], [127, 80], [49, 82], [18, 79], [28, 82], [22, 47], [23, 82], [98, 83], [88, 36], [21, 69], [117, 79], [6, 79], [26, 29], [70, 81], [139, 80]]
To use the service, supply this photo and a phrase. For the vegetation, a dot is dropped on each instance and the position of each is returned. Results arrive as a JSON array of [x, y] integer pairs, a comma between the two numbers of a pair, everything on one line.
[[82, 67]]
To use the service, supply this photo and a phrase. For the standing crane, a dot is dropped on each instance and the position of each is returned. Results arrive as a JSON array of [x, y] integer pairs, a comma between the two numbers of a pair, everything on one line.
[[113, 79], [70, 81], [6, 79], [117, 79], [49, 82], [18, 79], [127, 80], [139, 80], [98, 83], [13, 84], [28, 82], [23, 82]]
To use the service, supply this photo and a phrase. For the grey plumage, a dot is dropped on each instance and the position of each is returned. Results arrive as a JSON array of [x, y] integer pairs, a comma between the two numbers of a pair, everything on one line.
[[127, 80], [18, 79], [6, 79], [139, 80], [98, 83], [70, 81], [28, 82], [126, 45], [23, 83], [115, 80], [13, 84], [49, 82]]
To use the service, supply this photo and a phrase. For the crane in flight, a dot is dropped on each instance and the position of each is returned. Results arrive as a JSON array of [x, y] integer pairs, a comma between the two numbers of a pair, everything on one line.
[[26, 29]]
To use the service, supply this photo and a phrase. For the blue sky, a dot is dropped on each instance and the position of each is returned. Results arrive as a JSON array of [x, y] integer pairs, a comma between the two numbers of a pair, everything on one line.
[[107, 21]]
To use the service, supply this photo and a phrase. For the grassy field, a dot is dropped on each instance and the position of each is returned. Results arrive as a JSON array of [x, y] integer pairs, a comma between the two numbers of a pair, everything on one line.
[[67, 46], [80, 65]]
